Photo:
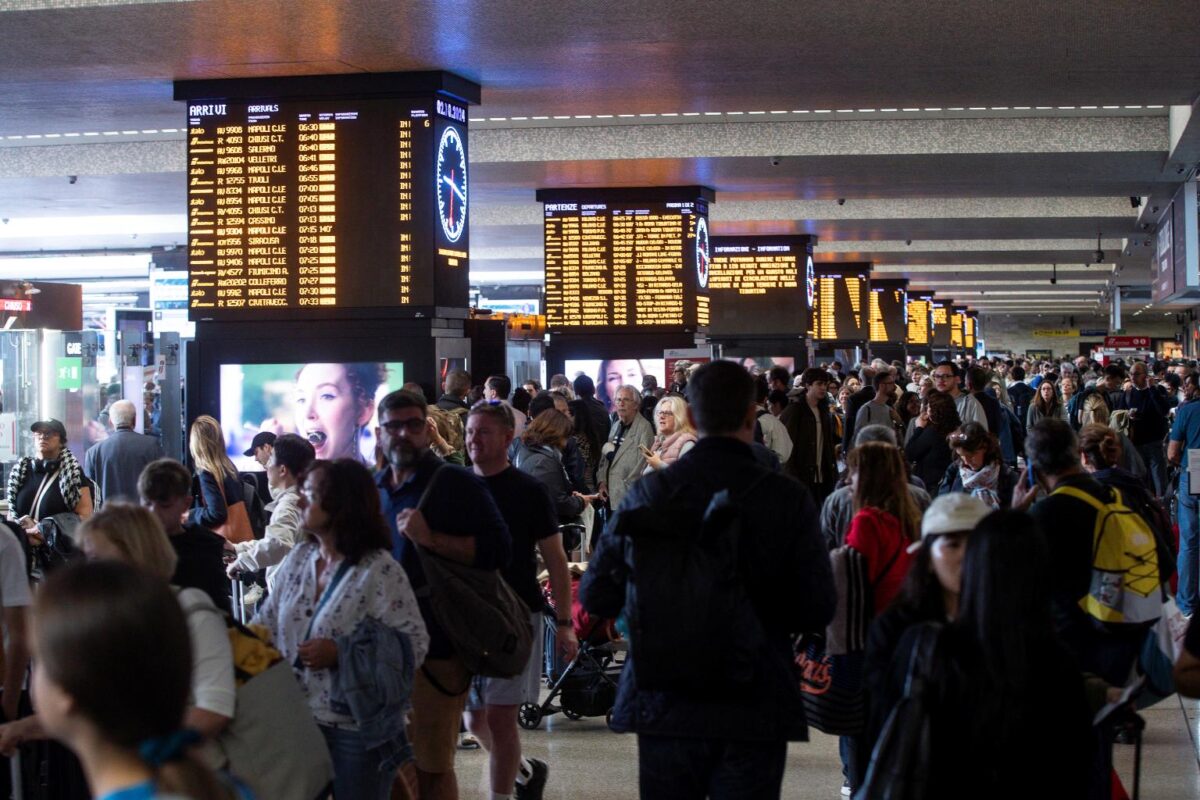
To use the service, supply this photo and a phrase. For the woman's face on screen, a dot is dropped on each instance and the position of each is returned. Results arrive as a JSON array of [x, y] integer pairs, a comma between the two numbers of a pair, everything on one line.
[[621, 372], [327, 413]]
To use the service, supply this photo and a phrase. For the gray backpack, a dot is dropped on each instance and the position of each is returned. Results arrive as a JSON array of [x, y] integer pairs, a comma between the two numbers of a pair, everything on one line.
[[486, 622]]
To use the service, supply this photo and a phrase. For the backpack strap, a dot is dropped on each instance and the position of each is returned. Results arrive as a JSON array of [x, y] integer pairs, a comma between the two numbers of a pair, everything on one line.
[[1079, 494]]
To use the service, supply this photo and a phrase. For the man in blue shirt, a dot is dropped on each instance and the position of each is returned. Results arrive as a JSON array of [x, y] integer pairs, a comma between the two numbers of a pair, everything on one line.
[[1185, 435], [456, 519]]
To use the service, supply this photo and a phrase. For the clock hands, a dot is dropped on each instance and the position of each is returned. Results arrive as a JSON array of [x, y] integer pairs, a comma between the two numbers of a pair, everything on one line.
[[461, 195]]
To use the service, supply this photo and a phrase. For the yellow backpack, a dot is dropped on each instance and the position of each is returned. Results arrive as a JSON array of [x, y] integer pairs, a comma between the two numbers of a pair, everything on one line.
[[1125, 577]]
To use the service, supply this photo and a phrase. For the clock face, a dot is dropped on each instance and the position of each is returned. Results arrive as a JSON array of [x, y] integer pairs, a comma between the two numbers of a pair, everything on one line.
[[452, 183], [810, 282], [702, 252]]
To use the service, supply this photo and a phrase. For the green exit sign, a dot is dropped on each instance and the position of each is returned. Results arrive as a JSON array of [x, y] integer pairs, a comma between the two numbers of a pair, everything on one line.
[[69, 373]]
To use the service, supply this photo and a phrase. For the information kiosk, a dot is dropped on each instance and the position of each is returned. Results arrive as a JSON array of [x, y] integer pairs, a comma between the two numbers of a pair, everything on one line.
[[762, 290], [627, 276], [328, 222]]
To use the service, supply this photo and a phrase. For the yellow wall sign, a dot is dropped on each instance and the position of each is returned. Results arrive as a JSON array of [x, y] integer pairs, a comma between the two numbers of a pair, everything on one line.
[[1056, 333]]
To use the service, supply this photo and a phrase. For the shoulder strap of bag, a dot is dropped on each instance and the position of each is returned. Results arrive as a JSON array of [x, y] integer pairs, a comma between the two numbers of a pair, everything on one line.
[[47, 482], [342, 569], [1079, 494]]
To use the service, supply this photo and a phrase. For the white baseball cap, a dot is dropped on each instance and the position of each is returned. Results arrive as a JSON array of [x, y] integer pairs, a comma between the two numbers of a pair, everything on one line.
[[951, 513]]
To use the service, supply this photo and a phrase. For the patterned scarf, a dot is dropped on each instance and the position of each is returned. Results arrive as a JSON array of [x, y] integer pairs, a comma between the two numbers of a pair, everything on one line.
[[982, 483], [70, 478]]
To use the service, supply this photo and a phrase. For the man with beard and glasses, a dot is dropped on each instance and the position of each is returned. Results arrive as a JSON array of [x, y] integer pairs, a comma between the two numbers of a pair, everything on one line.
[[458, 520]]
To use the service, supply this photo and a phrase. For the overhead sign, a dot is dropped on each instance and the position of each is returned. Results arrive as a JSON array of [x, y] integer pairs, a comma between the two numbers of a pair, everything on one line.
[[1127, 342], [1056, 333], [69, 373]]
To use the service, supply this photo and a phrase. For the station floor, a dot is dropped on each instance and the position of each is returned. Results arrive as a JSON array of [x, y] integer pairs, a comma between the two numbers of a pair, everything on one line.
[[587, 761]]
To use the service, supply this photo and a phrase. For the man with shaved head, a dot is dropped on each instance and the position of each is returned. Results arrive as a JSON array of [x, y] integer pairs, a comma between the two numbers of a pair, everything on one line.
[[115, 463]]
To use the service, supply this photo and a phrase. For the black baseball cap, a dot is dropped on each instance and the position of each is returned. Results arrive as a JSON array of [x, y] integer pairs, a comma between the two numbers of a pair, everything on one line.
[[50, 425], [260, 438]]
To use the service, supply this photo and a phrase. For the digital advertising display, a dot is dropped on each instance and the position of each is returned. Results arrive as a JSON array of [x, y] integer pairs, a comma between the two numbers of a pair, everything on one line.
[[332, 405], [626, 258], [761, 365], [888, 309], [610, 374], [842, 302], [323, 204], [761, 285]]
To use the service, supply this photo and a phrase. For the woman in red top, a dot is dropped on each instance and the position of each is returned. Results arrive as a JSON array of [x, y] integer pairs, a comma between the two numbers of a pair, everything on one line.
[[886, 520]]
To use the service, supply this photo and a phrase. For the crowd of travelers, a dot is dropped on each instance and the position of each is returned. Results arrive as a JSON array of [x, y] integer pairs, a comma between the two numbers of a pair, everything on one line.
[[971, 572]]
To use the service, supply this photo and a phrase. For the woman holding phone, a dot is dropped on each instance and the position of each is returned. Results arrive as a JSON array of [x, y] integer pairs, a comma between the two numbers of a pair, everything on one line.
[[674, 435]]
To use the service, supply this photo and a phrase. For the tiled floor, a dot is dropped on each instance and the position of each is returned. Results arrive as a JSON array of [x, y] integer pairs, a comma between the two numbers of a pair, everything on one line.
[[588, 761]]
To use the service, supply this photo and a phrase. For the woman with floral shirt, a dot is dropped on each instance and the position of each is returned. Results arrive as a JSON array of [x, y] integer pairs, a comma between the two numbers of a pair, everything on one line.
[[343, 574]]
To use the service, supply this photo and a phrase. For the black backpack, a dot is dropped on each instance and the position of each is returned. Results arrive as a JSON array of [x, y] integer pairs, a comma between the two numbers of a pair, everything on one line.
[[255, 510], [694, 594], [902, 758]]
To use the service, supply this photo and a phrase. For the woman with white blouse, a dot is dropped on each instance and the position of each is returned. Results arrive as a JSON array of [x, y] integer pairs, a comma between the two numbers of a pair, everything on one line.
[[327, 585]]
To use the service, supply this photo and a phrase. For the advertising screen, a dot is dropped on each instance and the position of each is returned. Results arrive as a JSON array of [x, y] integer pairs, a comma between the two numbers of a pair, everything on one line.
[[761, 365], [331, 405], [611, 373]]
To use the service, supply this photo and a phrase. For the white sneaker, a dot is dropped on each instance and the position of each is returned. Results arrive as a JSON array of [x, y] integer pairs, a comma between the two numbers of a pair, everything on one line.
[[252, 595], [845, 788]]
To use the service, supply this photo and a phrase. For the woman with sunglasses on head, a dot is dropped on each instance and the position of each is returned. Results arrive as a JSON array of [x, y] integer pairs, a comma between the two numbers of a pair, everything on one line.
[[978, 468]]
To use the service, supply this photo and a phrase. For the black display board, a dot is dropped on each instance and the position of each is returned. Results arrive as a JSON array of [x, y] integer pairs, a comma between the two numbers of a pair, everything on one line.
[[920, 319], [327, 197], [761, 285], [958, 317], [842, 302], [888, 311], [940, 325], [626, 258]]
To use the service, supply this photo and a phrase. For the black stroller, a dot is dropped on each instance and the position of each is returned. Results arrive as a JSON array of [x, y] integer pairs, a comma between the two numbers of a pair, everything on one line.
[[587, 685]]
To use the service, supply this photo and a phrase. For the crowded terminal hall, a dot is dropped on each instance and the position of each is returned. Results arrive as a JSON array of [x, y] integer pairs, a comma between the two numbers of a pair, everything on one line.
[[504, 401]]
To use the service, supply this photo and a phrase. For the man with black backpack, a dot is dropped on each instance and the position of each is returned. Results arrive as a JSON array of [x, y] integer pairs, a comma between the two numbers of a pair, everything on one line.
[[445, 511], [715, 563]]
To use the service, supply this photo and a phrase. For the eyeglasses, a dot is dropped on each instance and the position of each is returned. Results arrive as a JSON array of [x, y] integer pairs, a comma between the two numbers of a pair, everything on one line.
[[412, 425], [942, 376]]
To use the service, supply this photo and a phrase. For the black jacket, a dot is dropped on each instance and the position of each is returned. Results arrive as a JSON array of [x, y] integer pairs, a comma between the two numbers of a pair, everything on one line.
[[547, 466], [788, 578], [801, 426], [1149, 424], [1021, 396], [991, 409], [931, 455]]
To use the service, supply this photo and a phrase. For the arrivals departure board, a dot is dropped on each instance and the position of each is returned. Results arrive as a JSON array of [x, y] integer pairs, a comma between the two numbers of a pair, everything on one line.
[[626, 258], [920, 318], [324, 206], [958, 316], [842, 302], [969, 332], [888, 310], [941, 323], [761, 285]]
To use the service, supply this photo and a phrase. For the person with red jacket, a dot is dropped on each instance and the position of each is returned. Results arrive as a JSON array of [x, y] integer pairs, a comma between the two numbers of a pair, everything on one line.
[[886, 520]]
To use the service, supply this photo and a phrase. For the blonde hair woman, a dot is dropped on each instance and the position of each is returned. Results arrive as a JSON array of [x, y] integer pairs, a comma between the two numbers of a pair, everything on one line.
[[222, 505], [674, 434]]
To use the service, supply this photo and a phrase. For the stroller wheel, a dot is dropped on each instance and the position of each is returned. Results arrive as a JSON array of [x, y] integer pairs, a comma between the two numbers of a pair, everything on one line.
[[529, 715], [573, 715], [608, 718]]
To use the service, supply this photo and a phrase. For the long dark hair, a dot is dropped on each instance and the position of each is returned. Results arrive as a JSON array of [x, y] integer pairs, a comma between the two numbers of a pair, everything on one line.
[[922, 592], [1005, 606], [943, 413], [351, 499], [115, 639], [584, 427]]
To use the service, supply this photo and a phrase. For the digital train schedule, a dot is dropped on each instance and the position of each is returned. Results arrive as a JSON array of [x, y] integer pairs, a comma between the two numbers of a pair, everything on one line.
[[626, 258], [326, 204]]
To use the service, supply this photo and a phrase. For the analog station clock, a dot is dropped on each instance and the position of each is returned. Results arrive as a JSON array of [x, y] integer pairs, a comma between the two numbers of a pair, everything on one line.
[[452, 183], [702, 252]]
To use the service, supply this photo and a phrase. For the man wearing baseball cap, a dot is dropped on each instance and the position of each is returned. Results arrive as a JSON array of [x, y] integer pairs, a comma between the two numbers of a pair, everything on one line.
[[260, 449]]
